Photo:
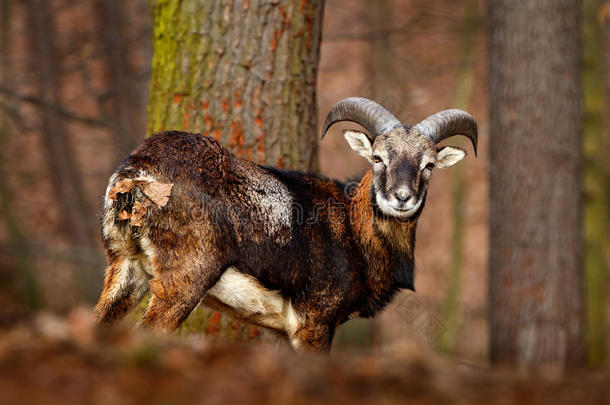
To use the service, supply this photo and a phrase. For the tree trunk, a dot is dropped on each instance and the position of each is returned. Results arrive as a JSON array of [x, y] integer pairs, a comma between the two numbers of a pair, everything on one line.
[[606, 53], [596, 203], [77, 220], [606, 19], [78, 223], [388, 85], [243, 72], [18, 242], [461, 99], [536, 286], [121, 103]]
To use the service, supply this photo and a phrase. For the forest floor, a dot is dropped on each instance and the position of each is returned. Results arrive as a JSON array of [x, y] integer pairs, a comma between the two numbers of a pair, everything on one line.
[[52, 360]]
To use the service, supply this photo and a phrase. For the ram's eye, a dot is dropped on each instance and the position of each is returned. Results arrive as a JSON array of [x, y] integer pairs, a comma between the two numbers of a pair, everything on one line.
[[377, 159], [429, 166]]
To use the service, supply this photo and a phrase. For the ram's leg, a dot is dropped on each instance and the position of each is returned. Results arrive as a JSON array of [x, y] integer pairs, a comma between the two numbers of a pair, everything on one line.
[[172, 302], [124, 287], [176, 291]]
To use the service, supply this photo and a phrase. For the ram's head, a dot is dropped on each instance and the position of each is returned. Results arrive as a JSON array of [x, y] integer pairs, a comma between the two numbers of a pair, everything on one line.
[[402, 156]]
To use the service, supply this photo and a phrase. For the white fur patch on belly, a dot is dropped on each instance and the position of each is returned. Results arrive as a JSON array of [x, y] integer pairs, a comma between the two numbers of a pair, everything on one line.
[[253, 302]]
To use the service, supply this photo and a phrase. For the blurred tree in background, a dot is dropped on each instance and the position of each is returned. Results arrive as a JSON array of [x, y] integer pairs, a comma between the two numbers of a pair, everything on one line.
[[25, 277], [66, 82], [596, 180], [122, 102], [536, 277], [463, 93], [79, 226]]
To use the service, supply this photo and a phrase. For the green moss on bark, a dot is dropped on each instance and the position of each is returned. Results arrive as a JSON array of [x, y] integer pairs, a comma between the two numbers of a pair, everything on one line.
[[596, 193]]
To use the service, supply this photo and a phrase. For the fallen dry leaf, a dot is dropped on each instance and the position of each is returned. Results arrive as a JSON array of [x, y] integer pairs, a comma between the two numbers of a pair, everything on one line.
[[159, 193], [137, 213], [121, 186]]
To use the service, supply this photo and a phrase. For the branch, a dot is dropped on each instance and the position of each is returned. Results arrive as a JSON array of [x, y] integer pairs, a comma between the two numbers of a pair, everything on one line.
[[17, 119], [364, 36], [81, 255], [94, 121]]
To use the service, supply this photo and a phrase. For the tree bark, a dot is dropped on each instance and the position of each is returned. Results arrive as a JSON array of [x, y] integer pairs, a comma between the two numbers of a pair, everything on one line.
[[243, 72], [596, 203], [536, 298]]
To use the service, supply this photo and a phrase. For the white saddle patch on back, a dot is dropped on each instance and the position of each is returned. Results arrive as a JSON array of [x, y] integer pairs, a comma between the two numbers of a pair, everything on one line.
[[275, 203], [248, 298]]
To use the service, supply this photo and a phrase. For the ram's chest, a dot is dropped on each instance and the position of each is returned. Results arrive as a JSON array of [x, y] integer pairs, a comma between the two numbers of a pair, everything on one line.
[[246, 298]]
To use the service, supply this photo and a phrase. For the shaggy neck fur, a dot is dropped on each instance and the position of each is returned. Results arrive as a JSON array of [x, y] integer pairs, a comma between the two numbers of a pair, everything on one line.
[[381, 238]]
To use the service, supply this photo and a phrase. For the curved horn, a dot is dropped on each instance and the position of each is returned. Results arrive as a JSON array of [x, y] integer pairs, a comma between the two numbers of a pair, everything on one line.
[[445, 124], [372, 116]]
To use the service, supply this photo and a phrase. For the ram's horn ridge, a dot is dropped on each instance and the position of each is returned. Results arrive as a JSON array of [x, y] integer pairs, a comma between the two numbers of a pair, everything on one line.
[[371, 115], [447, 123]]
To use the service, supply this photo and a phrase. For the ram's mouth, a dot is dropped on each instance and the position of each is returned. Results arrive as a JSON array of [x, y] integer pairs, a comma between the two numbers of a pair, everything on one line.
[[401, 212]]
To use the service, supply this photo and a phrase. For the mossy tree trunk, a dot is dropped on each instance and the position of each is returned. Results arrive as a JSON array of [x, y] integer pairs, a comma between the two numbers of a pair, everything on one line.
[[536, 271], [596, 201], [243, 72]]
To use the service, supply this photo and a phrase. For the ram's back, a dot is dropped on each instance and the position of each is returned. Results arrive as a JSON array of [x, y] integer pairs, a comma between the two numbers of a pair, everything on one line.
[[210, 188]]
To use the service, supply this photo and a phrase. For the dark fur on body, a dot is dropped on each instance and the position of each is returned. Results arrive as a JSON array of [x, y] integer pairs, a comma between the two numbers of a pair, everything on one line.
[[336, 257]]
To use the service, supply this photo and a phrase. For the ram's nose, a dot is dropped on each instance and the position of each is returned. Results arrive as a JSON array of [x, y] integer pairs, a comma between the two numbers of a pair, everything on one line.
[[403, 195]]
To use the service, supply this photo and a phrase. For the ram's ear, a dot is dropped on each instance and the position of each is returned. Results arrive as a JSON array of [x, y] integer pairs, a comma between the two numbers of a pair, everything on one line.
[[360, 143], [448, 156]]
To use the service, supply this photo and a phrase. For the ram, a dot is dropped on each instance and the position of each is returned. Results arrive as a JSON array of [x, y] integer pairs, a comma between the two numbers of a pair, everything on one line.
[[297, 253]]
